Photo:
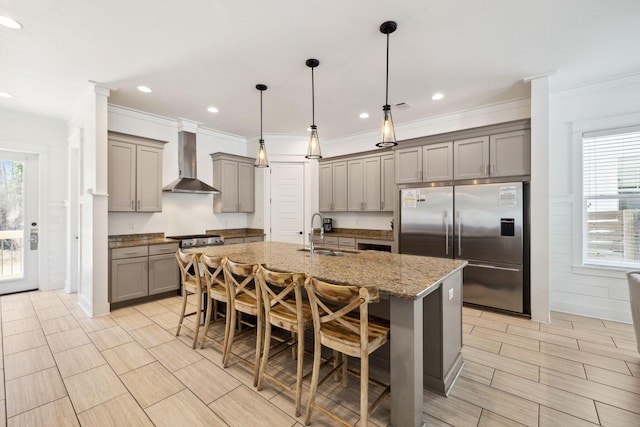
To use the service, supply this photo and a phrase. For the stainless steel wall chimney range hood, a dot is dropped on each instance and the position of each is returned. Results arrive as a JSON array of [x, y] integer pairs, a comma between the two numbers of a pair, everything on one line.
[[187, 181]]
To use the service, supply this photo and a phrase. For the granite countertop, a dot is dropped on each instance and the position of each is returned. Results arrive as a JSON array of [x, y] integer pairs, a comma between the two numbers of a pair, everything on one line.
[[359, 233], [399, 275], [129, 240], [232, 233]]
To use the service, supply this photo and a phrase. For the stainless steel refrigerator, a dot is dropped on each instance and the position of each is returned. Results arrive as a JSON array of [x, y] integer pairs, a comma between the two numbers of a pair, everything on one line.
[[483, 224]]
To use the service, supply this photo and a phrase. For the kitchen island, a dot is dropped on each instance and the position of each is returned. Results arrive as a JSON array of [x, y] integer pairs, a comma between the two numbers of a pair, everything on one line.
[[424, 297]]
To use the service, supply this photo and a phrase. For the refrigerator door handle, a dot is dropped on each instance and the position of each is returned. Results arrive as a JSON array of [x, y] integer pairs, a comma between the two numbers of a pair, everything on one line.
[[493, 267], [446, 231], [459, 222]]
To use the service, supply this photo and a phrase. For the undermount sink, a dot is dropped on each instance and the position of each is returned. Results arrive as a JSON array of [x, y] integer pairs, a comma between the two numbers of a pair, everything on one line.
[[329, 252]]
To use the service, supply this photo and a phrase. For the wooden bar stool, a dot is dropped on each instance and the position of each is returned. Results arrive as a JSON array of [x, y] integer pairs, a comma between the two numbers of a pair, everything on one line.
[[192, 283], [351, 336], [285, 308], [244, 297], [216, 290]]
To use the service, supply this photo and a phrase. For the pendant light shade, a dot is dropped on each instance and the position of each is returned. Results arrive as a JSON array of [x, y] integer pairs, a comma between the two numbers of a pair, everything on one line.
[[387, 130], [261, 158], [313, 150]]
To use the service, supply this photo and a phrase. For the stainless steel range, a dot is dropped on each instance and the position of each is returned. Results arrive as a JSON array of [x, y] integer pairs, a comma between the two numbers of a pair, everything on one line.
[[198, 240]]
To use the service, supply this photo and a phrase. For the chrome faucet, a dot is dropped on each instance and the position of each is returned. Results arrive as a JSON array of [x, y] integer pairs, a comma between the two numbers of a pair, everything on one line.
[[313, 229]]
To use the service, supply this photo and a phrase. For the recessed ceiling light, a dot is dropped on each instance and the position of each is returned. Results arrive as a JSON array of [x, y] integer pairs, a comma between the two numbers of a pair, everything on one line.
[[5, 95], [212, 109], [437, 96], [364, 115], [5, 21], [144, 89]]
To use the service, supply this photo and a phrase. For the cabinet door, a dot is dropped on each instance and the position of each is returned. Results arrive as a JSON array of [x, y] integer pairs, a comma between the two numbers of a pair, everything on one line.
[[437, 162], [129, 278], [355, 185], [122, 176], [510, 153], [340, 186], [164, 274], [371, 184], [408, 165], [326, 187], [246, 184], [229, 186], [388, 186], [148, 179], [471, 158]]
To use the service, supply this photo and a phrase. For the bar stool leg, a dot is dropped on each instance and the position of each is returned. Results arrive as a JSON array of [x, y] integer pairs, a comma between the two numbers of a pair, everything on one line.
[[184, 307], [207, 320]]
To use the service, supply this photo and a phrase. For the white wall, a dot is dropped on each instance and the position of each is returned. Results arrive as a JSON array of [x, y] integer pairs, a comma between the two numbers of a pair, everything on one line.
[[181, 213], [48, 138], [575, 288]]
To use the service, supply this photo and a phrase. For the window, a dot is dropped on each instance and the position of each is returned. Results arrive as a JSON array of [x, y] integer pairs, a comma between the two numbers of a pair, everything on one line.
[[611, 195]]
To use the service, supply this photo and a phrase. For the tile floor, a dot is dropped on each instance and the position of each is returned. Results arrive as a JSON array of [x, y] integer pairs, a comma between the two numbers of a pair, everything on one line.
[[62, 368]]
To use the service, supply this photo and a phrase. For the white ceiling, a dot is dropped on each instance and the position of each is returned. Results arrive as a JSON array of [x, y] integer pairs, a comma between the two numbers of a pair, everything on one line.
[[197, 53]]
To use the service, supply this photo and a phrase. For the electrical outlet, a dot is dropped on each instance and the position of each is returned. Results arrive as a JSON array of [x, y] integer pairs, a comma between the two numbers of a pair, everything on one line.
[[131, 226], [450, 294]]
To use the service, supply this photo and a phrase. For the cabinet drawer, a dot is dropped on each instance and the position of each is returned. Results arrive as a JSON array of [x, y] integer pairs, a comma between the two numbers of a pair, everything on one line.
[[133, 251], [233, 241], [333, 241], [347, 242], [254, 239], [165, 248]]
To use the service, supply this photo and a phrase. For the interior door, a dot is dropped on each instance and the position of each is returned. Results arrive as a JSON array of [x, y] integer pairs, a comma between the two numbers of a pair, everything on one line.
[[287, 202], [18, 222]]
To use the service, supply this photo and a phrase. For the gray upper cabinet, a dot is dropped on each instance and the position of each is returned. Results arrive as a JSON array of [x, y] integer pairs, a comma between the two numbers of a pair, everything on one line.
[[471, 158], [437, 162], [364, 184], [234, 176], [387, 192], [408, 165], [426, 163], [510, 153], [333, 187], [498, 155], [134, 174]]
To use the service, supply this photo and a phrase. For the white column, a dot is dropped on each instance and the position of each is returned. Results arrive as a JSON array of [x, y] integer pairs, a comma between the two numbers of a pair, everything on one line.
[[539, 197], [94, 265]]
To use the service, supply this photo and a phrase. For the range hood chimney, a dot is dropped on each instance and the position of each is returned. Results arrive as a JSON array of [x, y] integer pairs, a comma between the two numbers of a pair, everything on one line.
[[187, 181]]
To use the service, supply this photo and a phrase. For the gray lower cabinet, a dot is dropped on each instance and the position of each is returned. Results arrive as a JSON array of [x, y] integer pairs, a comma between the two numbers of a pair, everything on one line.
[[140, 271], [129, 273], [163, 269], [249, 239]]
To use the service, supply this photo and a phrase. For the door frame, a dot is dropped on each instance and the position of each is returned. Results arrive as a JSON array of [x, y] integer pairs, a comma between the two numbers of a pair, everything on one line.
[[41, 152]]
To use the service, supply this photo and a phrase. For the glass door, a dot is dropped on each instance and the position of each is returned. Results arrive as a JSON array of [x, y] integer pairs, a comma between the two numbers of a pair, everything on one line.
[[18, 222]]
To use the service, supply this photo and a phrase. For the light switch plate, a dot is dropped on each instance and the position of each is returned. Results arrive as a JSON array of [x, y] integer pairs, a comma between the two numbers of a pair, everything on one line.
[[450, 294]]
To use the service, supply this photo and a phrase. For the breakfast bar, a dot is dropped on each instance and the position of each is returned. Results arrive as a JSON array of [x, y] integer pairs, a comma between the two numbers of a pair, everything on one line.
[[424, 309]]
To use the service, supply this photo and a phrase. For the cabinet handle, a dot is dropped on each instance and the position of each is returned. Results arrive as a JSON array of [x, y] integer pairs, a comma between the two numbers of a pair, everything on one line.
[[381, 205], [493, 169], [133, 206], [131, 253], [424, 176], [138, 204]]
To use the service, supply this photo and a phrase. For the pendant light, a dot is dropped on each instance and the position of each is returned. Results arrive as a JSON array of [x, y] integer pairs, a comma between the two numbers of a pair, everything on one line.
[[313, 151], [261, 159], [388, 133]]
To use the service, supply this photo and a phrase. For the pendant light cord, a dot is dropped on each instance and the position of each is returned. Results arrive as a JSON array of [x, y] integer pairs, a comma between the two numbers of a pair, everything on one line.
[[386, 96], [261, 115], [313, 101]]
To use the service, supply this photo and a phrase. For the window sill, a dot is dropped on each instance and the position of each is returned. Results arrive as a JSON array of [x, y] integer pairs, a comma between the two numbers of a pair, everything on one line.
[[592, 270]]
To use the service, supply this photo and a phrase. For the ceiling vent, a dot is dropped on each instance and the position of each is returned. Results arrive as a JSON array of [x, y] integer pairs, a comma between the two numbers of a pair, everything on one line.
[[403, 106]]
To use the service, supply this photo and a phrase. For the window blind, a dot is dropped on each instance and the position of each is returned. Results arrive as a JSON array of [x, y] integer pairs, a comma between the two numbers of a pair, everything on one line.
[[611, 195]]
